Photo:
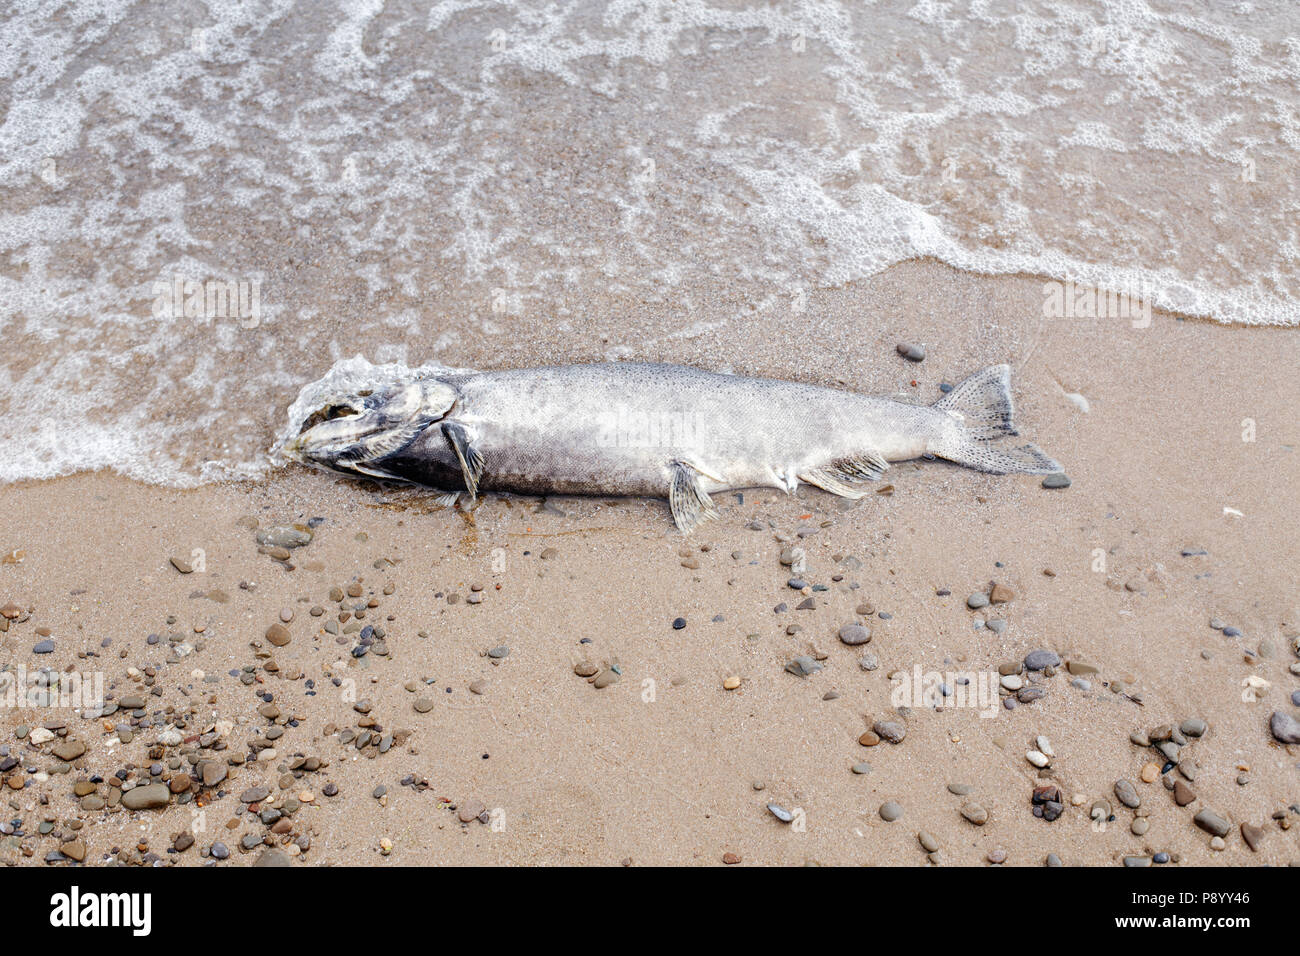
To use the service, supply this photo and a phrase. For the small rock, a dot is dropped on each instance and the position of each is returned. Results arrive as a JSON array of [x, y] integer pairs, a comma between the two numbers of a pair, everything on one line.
[[1127, 794], [855, 634], [1284, 727], [1211, 822]]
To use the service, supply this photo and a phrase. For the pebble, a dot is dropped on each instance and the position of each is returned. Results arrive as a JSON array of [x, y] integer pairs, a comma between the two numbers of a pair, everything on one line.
[[861, 768], [1059, 480], [977, 600], [1211, 822], [423, 705], [975, 814], [1284, 727], [679, 623], [149, 797], [891, 811], [890, 730], [278, 634], [1040, 659], [283, 536], [1037, 758], [1127, 794], [780, 812], [1252, 835], [44, 647], [803, 665], [913, 353], [1194, 727], [854, 634]]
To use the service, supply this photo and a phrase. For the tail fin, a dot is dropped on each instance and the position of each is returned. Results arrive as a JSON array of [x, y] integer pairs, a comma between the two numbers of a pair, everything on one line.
[[984, 411]]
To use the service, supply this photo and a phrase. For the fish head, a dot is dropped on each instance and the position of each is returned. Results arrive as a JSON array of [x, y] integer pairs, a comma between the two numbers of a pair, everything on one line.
[[350, 429]]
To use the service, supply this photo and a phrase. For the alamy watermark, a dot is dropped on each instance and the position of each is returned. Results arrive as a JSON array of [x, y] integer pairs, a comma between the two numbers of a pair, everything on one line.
[[949, 690], [52, 690], [181, 298], [1065, 300]]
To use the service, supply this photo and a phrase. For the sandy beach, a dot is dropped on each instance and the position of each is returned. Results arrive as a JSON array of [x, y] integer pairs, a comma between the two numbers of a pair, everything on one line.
[[430, 704]]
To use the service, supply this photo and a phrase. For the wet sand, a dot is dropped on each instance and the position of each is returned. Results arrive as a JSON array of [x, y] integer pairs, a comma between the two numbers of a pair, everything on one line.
[[664, 765]]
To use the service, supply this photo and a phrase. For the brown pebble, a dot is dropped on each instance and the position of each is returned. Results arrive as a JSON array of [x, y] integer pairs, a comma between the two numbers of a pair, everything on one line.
[[278, 634]]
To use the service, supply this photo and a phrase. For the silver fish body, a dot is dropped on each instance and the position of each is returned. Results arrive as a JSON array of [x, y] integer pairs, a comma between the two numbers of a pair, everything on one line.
[[657, 431]]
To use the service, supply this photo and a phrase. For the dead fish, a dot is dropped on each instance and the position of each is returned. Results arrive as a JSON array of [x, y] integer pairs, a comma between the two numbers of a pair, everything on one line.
[[651, 430]]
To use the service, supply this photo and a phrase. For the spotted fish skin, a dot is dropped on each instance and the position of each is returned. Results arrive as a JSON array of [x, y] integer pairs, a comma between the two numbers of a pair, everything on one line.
[[669, 431]]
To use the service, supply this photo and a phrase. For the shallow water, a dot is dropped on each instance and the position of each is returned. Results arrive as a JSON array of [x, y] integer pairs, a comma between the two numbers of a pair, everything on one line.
[[477, 183]]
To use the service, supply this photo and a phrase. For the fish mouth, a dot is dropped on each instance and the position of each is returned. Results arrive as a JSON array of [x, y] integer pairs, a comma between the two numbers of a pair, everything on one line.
[[347, 432]]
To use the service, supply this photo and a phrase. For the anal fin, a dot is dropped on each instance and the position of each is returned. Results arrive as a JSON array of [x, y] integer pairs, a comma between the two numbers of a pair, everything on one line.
[[689, 502], [471, 461], [867, 466]]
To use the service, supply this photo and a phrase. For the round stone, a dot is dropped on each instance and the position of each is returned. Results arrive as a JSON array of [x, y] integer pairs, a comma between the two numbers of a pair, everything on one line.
[[854, 634]]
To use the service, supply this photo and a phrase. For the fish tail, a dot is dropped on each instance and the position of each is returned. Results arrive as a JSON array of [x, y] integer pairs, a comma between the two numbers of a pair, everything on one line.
[[982, 412]]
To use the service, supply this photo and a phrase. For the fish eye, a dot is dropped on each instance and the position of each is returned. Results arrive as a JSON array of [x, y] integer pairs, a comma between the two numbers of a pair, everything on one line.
[[328, 413]]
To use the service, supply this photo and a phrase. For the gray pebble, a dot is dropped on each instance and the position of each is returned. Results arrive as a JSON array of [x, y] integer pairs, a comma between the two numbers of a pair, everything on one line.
[[854, 634], [1127, 794], [1059, 480], [781, 813], [891, 811], [1037, 660], [803, 665], [1211, 822], [891, 730], [1284, 727]]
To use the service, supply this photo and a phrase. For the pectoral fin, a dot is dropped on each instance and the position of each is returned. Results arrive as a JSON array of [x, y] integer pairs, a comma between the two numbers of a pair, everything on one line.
[[471, 461], [372, 472], [689, 502]]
